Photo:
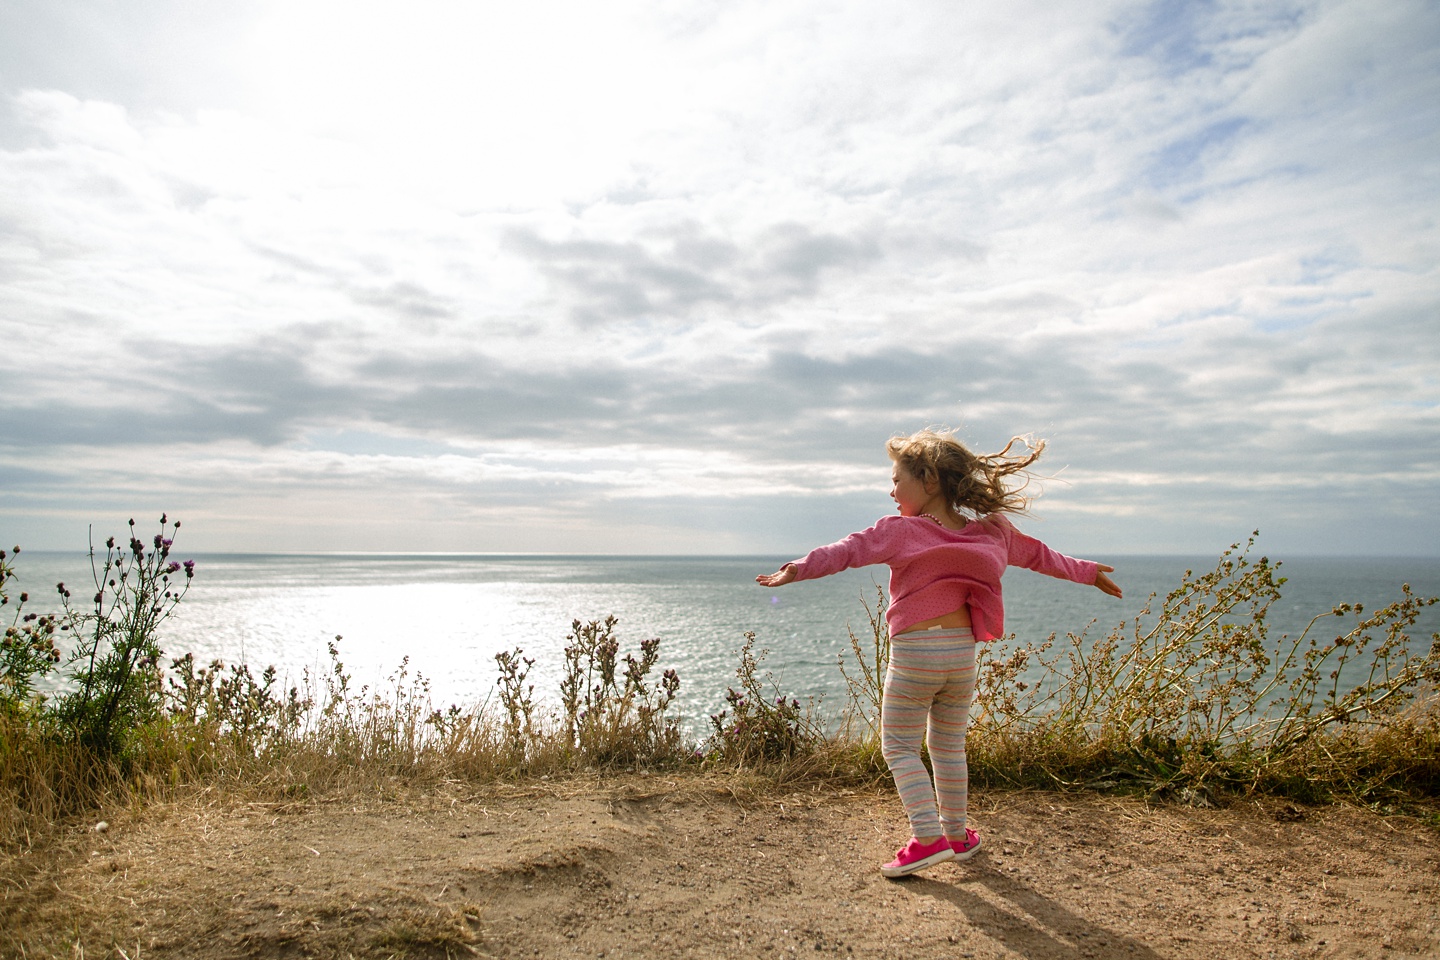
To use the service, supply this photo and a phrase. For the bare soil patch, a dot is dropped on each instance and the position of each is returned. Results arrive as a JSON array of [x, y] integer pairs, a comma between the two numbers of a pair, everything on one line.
[[653, 867]]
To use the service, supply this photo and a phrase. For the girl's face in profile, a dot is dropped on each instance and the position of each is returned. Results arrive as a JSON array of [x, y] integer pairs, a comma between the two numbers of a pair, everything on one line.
[[908, 492]]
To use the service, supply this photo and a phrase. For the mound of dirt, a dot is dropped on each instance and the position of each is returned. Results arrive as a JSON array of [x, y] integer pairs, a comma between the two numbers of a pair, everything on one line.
[[649, 867]]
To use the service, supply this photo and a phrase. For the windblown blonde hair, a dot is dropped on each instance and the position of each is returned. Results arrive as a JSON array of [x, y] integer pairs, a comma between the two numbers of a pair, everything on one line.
[[974, 484]]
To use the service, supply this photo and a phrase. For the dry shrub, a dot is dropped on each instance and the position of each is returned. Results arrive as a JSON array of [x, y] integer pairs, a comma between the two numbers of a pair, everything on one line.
[[1196, 697]]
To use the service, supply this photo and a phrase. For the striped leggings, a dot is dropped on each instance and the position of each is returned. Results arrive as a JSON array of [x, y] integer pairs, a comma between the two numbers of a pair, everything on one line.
[[928, 689]]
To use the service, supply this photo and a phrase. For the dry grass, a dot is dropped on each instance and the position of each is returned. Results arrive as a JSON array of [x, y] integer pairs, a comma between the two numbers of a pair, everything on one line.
[[1193, 701]]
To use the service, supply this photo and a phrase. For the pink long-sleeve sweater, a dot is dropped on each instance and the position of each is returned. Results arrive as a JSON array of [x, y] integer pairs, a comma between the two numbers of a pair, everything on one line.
[[935, 571]]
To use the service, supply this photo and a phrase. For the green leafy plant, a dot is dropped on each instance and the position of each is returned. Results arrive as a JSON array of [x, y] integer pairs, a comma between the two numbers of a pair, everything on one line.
[[115, 665]]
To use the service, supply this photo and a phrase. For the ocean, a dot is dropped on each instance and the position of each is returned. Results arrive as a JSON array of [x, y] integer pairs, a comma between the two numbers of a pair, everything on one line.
[[450, 614]]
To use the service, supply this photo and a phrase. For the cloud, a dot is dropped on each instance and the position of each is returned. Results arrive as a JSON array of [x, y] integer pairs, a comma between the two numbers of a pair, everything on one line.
[[1192, 244], [669, 277]]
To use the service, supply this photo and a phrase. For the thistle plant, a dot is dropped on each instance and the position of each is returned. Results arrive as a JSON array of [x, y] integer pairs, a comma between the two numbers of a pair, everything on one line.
[[517, 698], [761, 724], [115, 664], [27, 649], [231, 704], [612, 719]]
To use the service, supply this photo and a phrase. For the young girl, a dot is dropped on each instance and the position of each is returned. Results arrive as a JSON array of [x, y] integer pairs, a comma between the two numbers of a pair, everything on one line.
[[946, 553]]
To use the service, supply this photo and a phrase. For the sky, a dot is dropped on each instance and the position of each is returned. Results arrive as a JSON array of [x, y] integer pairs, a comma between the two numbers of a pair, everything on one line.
[[662, 277]]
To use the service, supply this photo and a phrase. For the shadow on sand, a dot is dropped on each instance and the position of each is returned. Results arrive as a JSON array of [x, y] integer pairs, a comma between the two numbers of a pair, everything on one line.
[[1026, 922]]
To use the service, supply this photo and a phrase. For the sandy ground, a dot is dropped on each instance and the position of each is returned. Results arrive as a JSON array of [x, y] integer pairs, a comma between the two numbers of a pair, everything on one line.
[[651, 867]]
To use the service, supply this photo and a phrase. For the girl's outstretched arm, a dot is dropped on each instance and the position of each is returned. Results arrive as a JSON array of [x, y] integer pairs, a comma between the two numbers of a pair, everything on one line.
[[779, 578], [1105, 584]]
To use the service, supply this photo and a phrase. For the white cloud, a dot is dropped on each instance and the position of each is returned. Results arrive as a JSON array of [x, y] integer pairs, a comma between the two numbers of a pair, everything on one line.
[[559, 263]]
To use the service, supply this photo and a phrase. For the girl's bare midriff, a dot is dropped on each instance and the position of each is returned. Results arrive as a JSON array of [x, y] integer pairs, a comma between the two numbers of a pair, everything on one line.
[[953, 620]]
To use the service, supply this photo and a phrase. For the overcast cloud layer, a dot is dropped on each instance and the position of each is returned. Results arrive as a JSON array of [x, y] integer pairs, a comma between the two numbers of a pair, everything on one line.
[[634, 277]]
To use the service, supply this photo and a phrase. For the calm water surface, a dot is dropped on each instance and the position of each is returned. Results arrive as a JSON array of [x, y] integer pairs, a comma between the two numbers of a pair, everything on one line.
[[450, 615]]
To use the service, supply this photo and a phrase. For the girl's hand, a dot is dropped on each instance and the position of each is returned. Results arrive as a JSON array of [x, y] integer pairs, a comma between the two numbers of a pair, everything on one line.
[[779, 578], [1105, 584]]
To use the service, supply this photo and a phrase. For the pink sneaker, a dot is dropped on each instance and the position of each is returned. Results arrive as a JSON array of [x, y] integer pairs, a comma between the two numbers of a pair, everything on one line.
[[968, 849], [917, 856]]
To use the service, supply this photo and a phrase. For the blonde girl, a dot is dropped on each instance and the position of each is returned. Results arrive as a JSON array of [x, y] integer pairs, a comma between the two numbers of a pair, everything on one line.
[[946, 552]]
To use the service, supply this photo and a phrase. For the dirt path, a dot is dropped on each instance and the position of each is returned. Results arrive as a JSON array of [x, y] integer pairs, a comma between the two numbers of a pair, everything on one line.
[[647, 867]]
